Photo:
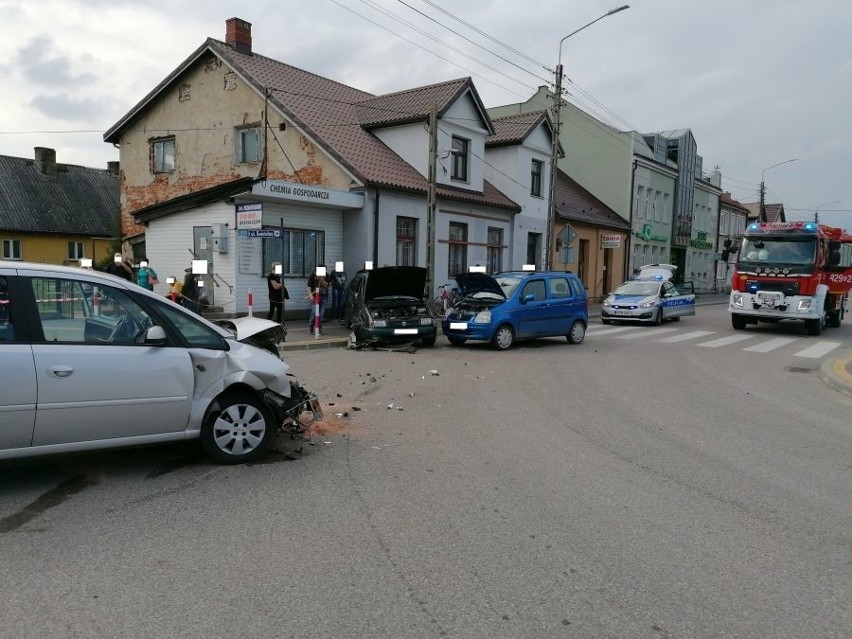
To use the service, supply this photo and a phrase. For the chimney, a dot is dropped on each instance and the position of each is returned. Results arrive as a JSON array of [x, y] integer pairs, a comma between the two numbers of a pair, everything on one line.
[[112, 167], [238, 34], [45, 160]]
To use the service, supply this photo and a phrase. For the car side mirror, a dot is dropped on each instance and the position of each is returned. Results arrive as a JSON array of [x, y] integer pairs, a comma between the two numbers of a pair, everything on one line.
[[155, 336], [529, 297]]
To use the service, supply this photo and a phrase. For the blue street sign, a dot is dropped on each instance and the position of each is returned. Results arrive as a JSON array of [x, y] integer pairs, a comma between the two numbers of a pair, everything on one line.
[[260, 232]]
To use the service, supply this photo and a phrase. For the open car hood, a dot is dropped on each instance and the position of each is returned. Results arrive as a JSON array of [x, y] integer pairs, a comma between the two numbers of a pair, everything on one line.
[[396, 281], [471, 283], [245, 328]]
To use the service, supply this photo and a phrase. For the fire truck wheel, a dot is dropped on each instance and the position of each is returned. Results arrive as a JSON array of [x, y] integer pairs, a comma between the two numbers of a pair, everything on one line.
[[815, 326], [738, 322], [833, 319]]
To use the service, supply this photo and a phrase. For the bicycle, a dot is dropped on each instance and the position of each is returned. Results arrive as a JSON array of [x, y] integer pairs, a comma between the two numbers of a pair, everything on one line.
[[445, 300]]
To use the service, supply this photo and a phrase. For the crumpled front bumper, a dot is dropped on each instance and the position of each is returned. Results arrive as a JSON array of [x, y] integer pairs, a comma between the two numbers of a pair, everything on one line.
[[301, 408]]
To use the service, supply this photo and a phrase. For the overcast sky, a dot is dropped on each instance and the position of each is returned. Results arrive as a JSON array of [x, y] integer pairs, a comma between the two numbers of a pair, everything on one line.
[[759, 82]]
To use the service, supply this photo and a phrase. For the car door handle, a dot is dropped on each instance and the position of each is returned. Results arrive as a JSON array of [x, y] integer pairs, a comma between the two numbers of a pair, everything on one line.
[[61, 371]]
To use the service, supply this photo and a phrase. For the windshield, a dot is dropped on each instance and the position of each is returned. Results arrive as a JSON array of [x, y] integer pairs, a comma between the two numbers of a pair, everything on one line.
[[778, 251], [508, 284], [638, 288]]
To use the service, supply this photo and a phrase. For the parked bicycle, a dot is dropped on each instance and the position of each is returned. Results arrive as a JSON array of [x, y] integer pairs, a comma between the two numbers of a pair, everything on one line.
[[448, 295]]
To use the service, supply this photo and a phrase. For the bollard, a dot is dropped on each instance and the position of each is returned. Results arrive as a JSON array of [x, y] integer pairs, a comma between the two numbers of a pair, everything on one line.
[[316, 313], [250, 303]]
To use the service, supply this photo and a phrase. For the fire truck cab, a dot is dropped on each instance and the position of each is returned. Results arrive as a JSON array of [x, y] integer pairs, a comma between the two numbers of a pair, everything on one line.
[[792, 271]]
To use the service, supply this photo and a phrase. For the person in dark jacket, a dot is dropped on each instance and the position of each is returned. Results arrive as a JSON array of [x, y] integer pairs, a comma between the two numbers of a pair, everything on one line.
[[277, 294], [190, 293], [120, 268]]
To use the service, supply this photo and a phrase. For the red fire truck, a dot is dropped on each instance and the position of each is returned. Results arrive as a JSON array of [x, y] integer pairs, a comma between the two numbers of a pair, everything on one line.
[[792, 271]]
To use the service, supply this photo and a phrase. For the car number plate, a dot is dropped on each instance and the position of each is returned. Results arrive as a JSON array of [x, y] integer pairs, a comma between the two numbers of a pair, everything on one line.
[[405, 331], [618, 312], [458, 326]]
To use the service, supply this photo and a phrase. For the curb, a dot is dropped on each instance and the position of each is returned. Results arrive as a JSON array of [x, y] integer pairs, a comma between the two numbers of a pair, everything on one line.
[[837, 373]]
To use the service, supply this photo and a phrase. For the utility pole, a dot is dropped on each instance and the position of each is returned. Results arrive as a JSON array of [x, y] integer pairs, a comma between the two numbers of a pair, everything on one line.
[[554, 167], [431, 204], [762, 212]]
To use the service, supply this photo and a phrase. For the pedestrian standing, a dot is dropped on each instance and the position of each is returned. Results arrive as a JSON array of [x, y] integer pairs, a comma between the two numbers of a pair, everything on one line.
[[277, 294], [338, 290], [317, 284], [190, 292], [120, 268], [146, 276]]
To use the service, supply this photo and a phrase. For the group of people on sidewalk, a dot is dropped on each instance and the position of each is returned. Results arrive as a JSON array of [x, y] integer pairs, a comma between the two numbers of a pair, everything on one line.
[[319, 289], [186, 293]]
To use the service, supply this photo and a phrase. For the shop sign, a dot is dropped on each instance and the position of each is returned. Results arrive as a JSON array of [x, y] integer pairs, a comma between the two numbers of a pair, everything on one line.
[[250, 215], [610, 241]]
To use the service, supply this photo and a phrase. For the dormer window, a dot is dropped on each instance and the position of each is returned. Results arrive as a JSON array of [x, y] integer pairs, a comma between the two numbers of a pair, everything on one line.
[[460, 151]]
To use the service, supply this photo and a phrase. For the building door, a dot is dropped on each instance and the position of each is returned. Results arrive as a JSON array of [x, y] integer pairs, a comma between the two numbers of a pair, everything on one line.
[[607, 271], [202, 247]]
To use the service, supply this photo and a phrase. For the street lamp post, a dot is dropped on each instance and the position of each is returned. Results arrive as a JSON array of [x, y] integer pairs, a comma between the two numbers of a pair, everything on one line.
[[816, 211], [762, 212], [554, 149]]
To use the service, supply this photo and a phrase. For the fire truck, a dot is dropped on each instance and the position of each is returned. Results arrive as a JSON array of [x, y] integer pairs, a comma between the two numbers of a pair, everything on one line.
[[792, 271]]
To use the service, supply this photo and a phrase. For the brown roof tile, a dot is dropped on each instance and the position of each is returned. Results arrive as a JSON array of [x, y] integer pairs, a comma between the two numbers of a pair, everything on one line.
[[411, 105], [513, 129], [576, 204]]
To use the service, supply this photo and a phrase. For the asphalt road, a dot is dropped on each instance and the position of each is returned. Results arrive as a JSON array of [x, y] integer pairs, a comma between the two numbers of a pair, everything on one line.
[[650, 482]]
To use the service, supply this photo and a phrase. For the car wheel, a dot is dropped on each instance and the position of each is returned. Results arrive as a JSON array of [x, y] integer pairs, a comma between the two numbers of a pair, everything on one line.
[[577, 332], [658, 318], [503, 338], [428, 341], [238, 429], [738, 322], [605, 321], [456, 341]]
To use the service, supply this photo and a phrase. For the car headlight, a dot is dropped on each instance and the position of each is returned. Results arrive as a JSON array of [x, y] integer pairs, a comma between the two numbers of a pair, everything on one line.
[[483, 317], [647, 304], [379, 323], [425, 321], [606, 302], [738, 300], [804, 305]]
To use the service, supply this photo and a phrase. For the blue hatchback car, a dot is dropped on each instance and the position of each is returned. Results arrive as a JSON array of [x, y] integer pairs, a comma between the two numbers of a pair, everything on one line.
[[517, 305]]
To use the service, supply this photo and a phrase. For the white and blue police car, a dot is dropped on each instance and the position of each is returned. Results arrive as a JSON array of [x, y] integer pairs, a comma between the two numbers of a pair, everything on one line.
[[650, 297]]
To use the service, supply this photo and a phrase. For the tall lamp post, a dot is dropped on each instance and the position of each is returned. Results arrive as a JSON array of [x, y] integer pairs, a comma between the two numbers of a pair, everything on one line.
[[816, 212], [762, 217], [554, 149]]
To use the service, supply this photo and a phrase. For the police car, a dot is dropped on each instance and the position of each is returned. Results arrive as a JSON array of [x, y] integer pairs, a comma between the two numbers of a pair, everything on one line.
[[650, 297]]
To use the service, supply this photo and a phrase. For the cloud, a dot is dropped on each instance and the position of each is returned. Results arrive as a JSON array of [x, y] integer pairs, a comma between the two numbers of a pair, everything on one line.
[[68, 108], [39, 67]]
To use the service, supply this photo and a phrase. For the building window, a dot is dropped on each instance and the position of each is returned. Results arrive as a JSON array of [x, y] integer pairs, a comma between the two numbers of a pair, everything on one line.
[[535, 184], [12, 250], [75, 250], [249, 145], [299, 251], [640, 195], [163, 155], [406, 241], [495, 250], [457, 259], [461, 148], [534, 249]]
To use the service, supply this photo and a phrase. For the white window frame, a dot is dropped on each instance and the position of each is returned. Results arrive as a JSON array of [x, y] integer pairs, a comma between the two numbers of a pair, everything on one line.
[[536, 178], [163, 155], [76, 250], [9, 252]]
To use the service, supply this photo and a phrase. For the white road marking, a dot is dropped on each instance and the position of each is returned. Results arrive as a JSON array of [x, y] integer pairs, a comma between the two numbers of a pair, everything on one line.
[[606, 330], [818, 350], [725, 341], [649, 333], [685, 336], [770, 345]]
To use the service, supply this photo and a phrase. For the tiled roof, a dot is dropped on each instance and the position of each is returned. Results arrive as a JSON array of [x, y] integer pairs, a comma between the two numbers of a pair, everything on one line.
[[730, 202], [576, 204], [68, 199], [774, 212], [327, 112], [513, 129], [412, 105]]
